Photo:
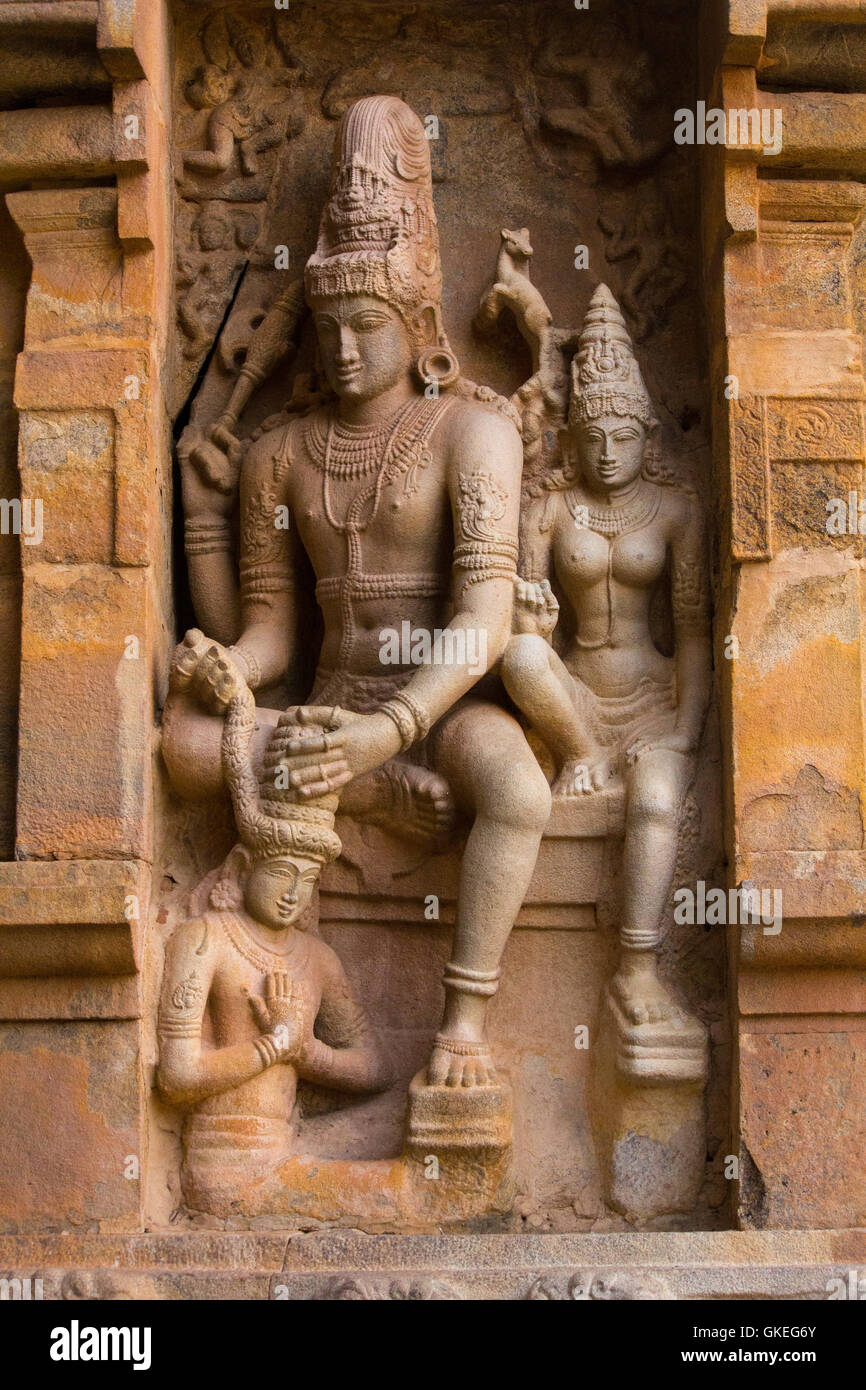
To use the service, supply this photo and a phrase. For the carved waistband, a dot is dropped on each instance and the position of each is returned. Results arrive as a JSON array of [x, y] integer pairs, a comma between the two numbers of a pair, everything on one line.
[[361, 694], [245, 1132], [369, 586]]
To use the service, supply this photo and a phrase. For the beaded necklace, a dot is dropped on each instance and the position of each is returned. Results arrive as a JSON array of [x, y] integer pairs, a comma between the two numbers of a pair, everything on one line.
[[261, 956], [615, 521]]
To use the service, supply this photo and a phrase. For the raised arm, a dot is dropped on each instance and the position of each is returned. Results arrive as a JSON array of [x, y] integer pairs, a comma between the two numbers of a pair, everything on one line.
[[270, 552], [208, 503]]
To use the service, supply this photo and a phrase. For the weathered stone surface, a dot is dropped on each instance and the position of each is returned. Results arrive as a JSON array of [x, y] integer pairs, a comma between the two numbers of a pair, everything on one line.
[[345, 1265], [802, 1134], [792, 313], [263, 1004], [71, 1100]]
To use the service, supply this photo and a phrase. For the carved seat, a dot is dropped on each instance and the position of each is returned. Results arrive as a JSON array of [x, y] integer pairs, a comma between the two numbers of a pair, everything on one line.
[[392, 879]]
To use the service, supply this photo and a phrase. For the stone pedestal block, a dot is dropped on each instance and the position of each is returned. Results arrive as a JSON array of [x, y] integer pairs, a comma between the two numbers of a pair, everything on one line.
[[648, 1110]]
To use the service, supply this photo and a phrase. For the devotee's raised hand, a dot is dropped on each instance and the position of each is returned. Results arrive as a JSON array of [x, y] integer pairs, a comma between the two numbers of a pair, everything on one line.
[[284, 1014]]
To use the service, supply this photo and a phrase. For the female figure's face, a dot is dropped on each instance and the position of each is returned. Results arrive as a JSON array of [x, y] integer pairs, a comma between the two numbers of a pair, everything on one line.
[[364, 345], [611, 451], [278, 890]]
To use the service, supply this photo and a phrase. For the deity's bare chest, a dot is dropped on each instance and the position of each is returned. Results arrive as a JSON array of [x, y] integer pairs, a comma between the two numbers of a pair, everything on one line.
[[372, 496]]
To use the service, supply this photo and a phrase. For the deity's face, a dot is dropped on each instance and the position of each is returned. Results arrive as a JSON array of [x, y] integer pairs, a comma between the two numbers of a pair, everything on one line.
[[278, 890], [610, 450], [365, 346]]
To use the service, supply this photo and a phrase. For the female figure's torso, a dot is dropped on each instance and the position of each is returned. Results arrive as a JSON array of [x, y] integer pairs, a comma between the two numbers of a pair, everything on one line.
[[609, 580]]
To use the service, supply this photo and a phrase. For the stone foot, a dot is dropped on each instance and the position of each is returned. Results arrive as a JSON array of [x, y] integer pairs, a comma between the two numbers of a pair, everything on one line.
[[670, 1049], [410, 801], [458, 1063], [643, 998], [647, 1107]]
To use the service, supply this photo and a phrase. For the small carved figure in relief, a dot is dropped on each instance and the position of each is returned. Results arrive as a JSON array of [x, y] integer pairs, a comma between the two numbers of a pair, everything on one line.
[[514, 289], [251, 1002], [658, 274], [241, 100], [608, 528], [207, 277], [616, 110], [404, 496], [235, 117]]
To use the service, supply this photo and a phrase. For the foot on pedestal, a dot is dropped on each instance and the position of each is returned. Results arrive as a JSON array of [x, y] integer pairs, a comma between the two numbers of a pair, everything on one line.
[[641, 995], [457, 1062]]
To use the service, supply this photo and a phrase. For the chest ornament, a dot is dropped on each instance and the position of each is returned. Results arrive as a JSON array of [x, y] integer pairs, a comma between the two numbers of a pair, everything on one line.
[[615, 521]]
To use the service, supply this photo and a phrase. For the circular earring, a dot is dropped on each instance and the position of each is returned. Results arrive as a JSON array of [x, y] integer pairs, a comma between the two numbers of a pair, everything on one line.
[[438, 364]]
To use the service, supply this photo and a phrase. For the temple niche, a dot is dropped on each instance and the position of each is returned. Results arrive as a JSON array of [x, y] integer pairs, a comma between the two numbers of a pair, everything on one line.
[[431, 734], [543, 259]]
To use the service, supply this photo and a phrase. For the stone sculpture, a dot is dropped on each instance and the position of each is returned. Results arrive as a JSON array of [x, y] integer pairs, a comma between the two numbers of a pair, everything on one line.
[[605, 527], [402, 493], [694, 1073], [232, 1055], [375, 483], [606, 522]]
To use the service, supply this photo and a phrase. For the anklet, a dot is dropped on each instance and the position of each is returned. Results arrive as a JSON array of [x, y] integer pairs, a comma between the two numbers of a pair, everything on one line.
[[467, 981], [461, 1049]]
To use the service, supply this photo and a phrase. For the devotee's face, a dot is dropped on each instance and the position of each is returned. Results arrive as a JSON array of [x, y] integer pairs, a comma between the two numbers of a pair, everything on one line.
[[278, 890]]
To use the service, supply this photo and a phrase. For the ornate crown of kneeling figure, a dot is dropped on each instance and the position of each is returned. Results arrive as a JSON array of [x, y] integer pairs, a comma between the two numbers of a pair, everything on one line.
[[378, 231], [271, 821], [605, 376]]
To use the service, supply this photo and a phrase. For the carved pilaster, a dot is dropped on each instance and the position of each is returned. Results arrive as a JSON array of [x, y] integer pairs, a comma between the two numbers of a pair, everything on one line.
[[789, 396], [95, 492]]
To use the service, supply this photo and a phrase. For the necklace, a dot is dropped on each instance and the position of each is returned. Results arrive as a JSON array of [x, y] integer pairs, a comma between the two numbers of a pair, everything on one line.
[[260, 956], [615, 521], [351, 451], [396, 449], [612, 522]]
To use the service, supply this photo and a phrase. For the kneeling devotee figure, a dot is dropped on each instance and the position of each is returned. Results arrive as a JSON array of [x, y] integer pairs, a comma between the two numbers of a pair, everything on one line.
[[251, 1002]]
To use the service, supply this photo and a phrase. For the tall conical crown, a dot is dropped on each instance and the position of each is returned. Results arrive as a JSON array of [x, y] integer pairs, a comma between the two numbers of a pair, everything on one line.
[[378, 230], [605, 377]]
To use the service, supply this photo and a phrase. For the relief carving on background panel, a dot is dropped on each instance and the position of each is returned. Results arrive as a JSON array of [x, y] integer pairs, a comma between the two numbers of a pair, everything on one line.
[[548, 547]]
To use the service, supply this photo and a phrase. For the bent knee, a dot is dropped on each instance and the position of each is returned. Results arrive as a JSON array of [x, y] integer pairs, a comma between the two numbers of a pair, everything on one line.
[[656, 801], [524, 662], [521, 799]]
